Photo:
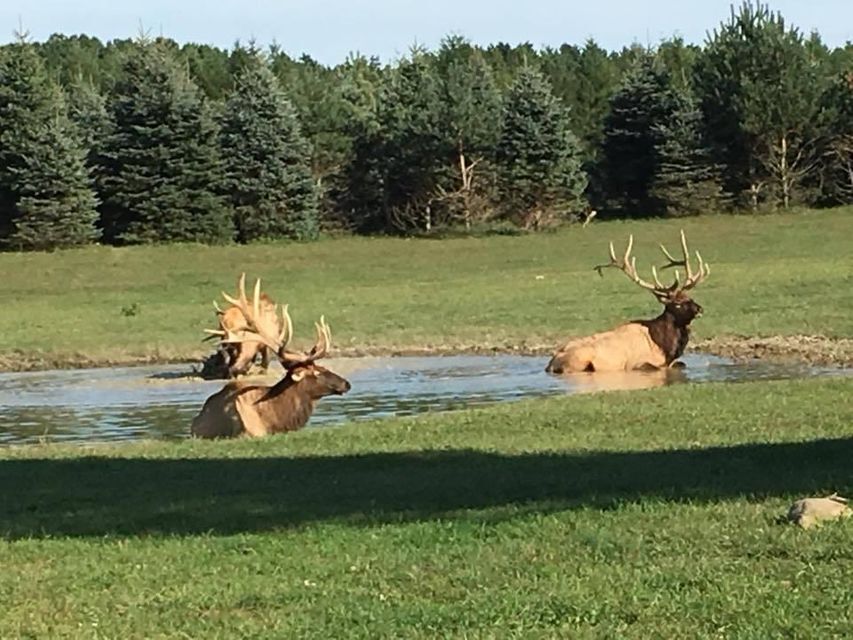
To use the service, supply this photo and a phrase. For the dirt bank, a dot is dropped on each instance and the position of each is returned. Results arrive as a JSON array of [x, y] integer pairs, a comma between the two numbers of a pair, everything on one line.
[[811, 349]]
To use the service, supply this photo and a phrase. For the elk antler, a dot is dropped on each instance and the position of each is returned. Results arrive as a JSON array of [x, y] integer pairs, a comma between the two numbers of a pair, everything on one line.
[[255, 330], [628, 265], [692, 278]]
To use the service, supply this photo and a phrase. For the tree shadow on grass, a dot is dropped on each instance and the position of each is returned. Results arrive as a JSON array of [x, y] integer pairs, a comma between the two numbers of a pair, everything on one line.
[[97, 496]]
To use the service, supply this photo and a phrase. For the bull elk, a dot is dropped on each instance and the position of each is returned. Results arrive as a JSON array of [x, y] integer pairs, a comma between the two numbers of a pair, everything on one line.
[[235, 359], [640, 344], [242, 408]]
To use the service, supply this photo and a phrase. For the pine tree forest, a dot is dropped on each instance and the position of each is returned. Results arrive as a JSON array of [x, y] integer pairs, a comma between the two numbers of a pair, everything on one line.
[[147, 141]]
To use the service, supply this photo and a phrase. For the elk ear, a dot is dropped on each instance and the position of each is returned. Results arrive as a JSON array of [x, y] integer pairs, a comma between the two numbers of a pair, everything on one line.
[[297, 375]]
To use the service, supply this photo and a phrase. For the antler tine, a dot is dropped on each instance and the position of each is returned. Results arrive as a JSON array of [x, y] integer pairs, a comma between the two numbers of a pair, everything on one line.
[[241, 291], [658, 283], [686, 254], [692, 278], [286, 327], [253, 331], [324, 340], [214, 333], [256, 300], [628, 265], [675, 262], [704, 271]]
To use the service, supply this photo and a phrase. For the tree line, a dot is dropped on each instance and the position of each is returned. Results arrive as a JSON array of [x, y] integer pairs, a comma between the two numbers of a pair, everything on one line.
[[143, 140]]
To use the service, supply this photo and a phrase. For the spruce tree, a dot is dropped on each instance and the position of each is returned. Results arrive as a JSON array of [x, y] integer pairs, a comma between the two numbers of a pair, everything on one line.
[[46, 198], [632, 137], [415, 148], [597, 80], [161, 161], [538, 157], [472, 112], [87, 111], [358, 193], [686, 182], [266, 160]]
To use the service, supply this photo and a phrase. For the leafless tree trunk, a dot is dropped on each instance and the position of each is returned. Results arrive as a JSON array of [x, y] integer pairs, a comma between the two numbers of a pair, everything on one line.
[[789, 163], [464, 193]]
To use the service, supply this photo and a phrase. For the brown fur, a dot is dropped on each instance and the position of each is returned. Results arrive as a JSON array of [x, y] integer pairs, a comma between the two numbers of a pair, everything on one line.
[[246, 409], [641, 344]]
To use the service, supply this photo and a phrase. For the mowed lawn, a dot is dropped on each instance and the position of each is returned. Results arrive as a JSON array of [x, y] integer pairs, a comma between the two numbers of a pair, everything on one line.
[[643, 514], [771, 275], [647, 514]]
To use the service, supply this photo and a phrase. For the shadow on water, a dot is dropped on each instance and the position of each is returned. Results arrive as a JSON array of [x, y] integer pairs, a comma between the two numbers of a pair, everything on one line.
[[159, 402], [98, 496]]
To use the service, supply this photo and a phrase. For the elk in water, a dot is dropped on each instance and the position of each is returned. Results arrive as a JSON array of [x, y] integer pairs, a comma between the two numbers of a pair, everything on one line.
[[236, 359], [242, 408], [640, 344]]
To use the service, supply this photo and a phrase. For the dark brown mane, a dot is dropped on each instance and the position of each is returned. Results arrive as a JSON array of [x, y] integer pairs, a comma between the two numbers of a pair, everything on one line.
[[667, 335]]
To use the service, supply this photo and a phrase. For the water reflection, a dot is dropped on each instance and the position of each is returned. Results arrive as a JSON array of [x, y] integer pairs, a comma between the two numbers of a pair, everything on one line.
[[159, 402], [622, 380]]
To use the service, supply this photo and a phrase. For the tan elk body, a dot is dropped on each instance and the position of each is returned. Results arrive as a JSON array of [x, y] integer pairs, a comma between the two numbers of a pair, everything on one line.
[[639, 344], [242, 408]]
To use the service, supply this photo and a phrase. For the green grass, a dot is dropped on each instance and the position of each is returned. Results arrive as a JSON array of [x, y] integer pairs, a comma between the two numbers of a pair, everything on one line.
[[639, 515], [783, 274], [635, 515]]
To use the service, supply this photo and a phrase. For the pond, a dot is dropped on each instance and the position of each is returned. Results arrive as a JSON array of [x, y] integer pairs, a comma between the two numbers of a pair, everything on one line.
[[97, 405]]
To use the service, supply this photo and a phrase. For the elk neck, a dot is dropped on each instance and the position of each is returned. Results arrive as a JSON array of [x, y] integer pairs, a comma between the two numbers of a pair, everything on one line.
[[668, 334], [289, 402]]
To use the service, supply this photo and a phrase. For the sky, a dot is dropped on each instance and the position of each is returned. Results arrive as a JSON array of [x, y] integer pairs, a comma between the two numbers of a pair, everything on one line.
[[329, 30]]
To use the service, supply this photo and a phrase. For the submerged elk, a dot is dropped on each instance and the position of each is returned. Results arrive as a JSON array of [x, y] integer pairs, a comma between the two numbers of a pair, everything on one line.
[[236, 358], [640, 344], [242, 408]]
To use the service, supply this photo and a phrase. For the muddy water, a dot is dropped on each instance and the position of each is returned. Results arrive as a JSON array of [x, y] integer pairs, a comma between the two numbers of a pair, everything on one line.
[[90, 405]]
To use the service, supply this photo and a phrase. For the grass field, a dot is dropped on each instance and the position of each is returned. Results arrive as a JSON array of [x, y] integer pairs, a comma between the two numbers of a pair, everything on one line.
[[634, 515], [773, 275], [645, 514]]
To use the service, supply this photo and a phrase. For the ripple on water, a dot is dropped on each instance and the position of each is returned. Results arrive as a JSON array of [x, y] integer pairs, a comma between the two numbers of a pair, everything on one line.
[[88, 405]]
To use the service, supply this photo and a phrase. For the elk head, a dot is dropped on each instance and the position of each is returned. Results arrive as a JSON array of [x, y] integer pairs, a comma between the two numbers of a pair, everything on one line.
[[301, 368], [677, 302]]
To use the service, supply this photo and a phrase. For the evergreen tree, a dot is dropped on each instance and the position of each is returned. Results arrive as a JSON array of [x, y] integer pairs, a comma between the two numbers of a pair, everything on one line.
[[632, 137], [686, 182], [67, 58], [267, 161], [414, 146], [760, 88], [320, 106], [208, 67], [836, 170], [597, 80], [46, 199], [679, 59], [87, 111], [359, 194], [161, 162], [472, 112], [538, 156]]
